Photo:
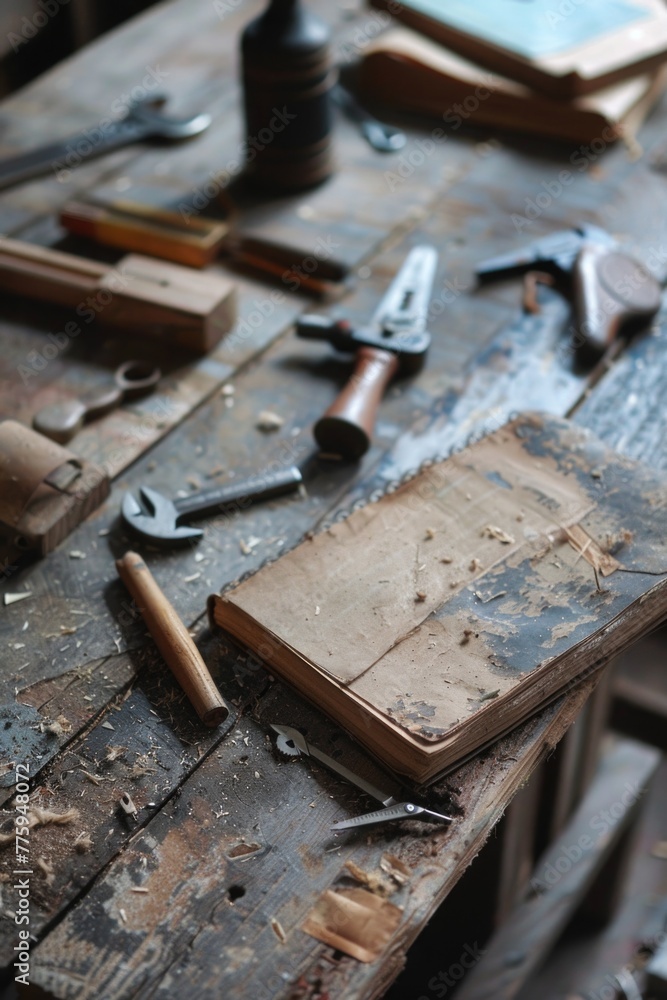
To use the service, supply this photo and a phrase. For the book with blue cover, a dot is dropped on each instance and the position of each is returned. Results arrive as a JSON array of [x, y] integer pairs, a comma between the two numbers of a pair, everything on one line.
[[565, 49]]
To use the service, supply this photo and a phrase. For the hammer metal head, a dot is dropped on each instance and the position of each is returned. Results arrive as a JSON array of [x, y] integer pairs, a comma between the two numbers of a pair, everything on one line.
[[155, 519]]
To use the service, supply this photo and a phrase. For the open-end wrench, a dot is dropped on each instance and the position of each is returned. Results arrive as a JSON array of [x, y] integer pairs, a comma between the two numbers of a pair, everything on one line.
[[157, 519], [143, 120]]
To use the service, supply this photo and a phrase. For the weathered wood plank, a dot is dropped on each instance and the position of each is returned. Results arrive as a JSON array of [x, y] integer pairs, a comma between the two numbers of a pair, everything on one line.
[[206, 918]]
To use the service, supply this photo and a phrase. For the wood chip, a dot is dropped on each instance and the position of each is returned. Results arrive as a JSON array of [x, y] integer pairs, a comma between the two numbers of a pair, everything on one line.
[[395, 868], [107, 725], [375, 881], [493, 531], [15, 598], [268, 421], [354, 921], [77, 554], [247, 547], [83, 842], [420, 596], [277, 929]]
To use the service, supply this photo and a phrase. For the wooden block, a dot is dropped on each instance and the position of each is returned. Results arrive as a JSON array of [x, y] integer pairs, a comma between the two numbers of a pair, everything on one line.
[[145, 296]]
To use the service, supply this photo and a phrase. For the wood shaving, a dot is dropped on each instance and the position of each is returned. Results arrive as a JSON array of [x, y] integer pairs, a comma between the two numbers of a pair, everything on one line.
[[317, 609], [446, 560], [429, 534], [493, 531], [77, 554], [83, 842], [375, 881], [268, 421], [277, 929], [59, 726], [113, 753], [395, 868], [247, 547], [659, 850], [42, 817], [46, 869], [475, 565], [14, 598], [420, 596]]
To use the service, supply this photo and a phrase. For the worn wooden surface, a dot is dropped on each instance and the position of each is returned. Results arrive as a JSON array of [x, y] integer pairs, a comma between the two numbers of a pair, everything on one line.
[[84, 656]]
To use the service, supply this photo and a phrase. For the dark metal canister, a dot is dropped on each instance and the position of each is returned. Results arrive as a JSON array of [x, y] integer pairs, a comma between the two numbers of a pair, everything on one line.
[[287, 81]]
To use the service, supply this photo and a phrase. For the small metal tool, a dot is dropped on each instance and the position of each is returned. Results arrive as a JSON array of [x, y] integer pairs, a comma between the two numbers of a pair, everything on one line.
[[143, 120], [614, 293], [292, 743], [156, 519], [382, 137], [61, 421], [395, 339]]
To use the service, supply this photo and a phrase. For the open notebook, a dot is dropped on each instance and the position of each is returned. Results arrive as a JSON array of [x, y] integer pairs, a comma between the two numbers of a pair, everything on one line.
[[431, 622]]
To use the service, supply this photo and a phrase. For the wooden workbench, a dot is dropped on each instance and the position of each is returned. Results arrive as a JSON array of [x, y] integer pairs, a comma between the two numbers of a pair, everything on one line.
[[232, 844]]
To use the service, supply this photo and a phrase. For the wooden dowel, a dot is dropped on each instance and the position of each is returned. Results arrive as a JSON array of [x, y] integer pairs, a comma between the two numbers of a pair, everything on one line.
[[173, 640]]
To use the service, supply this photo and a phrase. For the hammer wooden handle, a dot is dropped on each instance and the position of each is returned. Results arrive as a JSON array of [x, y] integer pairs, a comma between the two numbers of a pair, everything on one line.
[[173, 640], [347, 426]]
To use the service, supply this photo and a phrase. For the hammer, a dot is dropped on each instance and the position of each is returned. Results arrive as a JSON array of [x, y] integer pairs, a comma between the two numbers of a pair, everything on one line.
[[395, 340], [173, 640]]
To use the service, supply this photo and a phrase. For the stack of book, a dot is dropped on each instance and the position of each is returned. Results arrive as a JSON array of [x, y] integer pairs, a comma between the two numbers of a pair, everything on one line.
[[571, 70]]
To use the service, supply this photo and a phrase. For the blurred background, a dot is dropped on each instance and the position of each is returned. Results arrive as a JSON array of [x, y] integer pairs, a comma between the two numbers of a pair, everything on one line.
[[36, 34]]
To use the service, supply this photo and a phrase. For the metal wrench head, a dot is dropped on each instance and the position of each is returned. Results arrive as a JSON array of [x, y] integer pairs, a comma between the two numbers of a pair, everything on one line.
[[147, 112], [155, 520]]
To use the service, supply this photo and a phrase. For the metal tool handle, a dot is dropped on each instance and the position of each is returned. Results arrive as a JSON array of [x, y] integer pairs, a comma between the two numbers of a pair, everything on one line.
[[347, 427], [241, 494], [402, 810], [173, 640], [613, 293], [60, 157]]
